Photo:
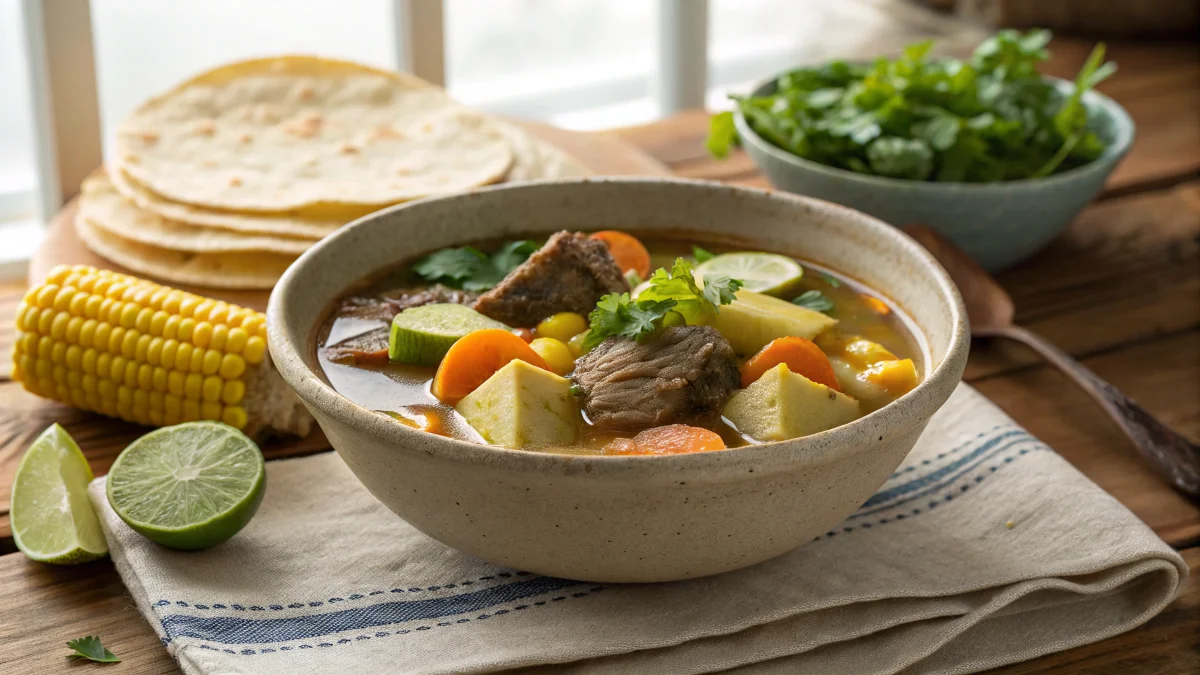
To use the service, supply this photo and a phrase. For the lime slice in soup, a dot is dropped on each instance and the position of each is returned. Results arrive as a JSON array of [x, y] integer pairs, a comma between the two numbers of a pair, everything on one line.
[[52, 519], [189, 486], [760, 272], [421, 336]]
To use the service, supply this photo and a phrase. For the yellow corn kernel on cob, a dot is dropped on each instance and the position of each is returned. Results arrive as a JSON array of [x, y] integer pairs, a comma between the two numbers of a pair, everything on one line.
[[130, 348]]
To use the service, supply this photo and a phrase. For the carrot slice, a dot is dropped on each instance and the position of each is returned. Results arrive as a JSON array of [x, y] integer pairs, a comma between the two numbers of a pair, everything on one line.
[[625, 248], [801, 356], [476, 357], [673, 439], [421, 421]]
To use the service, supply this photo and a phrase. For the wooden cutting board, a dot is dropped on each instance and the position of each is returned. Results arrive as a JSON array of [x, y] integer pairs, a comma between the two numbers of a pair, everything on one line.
[[604, 153]]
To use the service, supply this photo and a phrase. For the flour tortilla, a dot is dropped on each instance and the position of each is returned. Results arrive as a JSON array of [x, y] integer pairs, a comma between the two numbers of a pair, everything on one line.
[[282, 224], [295, 132], [555, 163], [216, 270], [104, 206]]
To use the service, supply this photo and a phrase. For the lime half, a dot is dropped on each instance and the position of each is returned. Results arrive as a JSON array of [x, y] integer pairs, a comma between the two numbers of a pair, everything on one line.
[[52, 519], [189, 486], [760, 272]]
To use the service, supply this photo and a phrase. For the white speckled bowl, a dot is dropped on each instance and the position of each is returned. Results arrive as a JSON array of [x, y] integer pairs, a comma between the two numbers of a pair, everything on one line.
[[622, 519]]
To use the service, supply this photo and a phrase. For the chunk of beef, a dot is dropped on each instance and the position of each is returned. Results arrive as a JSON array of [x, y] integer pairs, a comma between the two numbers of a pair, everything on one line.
[[387, 305], [569, 274], [678, 375], [366, 349]]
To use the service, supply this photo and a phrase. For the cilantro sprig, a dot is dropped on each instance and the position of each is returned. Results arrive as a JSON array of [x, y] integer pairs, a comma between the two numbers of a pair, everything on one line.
[[674, 292], [471, 269], [91, 649], [992, 117]]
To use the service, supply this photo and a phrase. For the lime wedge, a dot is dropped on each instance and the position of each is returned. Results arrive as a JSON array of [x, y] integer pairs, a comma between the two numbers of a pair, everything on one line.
[[189, 486], [421, 336], [760, 272], [52, 519]]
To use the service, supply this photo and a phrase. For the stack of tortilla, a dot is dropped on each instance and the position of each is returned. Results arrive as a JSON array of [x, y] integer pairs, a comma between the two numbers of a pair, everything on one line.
[[225, 179]]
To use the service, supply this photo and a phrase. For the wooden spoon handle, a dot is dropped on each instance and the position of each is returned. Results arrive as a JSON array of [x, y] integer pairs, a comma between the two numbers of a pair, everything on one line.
[[1174, 456]]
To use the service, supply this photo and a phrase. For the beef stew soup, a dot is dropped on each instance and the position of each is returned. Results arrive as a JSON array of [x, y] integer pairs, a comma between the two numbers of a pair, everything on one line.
[[607, 343]]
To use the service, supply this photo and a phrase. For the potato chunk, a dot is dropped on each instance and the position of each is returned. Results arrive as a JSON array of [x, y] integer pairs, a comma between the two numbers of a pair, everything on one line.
[[522, 406], [752, 320], [781, 405]]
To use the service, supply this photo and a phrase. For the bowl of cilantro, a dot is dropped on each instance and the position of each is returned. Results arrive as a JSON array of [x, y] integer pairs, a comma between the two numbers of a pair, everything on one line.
[[986, 150]]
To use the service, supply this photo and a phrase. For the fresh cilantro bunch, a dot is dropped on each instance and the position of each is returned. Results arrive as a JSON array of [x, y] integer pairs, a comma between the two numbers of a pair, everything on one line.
[[990, 118], [670, 295], [471, 269]]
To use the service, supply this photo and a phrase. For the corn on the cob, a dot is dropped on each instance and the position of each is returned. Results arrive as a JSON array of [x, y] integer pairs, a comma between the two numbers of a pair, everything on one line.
[[129, 348]]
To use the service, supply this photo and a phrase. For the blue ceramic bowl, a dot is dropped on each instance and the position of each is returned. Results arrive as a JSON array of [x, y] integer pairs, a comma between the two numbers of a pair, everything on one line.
[[999, 224]]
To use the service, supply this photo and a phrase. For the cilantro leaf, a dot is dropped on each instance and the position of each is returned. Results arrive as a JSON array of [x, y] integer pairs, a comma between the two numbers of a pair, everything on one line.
[[679, 286], [719, 289], [91, 649], [702, 255], [814, 300], [722, 135], [471, 269], [616, 314]]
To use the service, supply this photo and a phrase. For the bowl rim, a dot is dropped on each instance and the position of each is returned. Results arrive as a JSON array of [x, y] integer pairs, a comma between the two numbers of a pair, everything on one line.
[[1123, 142], [909, 411]]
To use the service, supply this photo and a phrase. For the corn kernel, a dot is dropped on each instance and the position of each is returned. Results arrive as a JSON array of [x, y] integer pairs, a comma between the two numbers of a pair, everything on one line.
[[129, 314], [211, 388], [74, 325], [212, 362], [62, 299], [156, 400], [58, 373], [45, 296], [106, 389], [191, 410], [44, 346], [252, 322], [109, 407], [130, 376], [235, 316], [114, 313], [116, 369], [58, 329], [232, 366], [142, 321], [193, 386], [116, 290], [102, 337], [142, 296], [115, 339], [159, 379], [58, 273], [200, 313], [175, 380], [105, 310], [187, 305], [234, 416], [102, 285], [157, 322], [89, 383], [130, 293], [91, 308], [45, 320], [157, 297], [125, 411], [141, 348], [42, 368], [555, 353], [197, 362], [86, 332], [172, 407], [26, 364], [202, 334], [220, 334], [255, 349], [63, 393], [74, 357], [103, 364], [145, 376], [32, 317], [58, 353], [236, 341], [210, 410], [141, 401], [186, 326], [129, 343], [88, 360], [29, 343], [74, 379], [22, 310], [154, 350], [170, 303], [219, 314], [169, 350], [171, 327], [156, 418], [78, 303], [232, 392], [183, 356], [124, 396]]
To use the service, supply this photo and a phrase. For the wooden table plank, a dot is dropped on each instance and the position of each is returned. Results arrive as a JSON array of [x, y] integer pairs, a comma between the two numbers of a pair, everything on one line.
[[44, 606]]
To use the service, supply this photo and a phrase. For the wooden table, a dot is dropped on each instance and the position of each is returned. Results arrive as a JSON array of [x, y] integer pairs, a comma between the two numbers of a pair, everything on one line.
[[1120, 291]]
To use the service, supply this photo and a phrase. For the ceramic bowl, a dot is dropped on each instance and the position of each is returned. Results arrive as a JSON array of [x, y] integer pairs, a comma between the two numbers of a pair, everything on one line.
[[999, 224], [622, 519]]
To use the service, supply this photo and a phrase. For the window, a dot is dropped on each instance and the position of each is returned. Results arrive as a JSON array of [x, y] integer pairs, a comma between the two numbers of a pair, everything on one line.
[[17, 175]]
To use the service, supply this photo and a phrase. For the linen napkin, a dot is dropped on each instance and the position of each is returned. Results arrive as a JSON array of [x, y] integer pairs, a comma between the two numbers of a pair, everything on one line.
[[984, 548]]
